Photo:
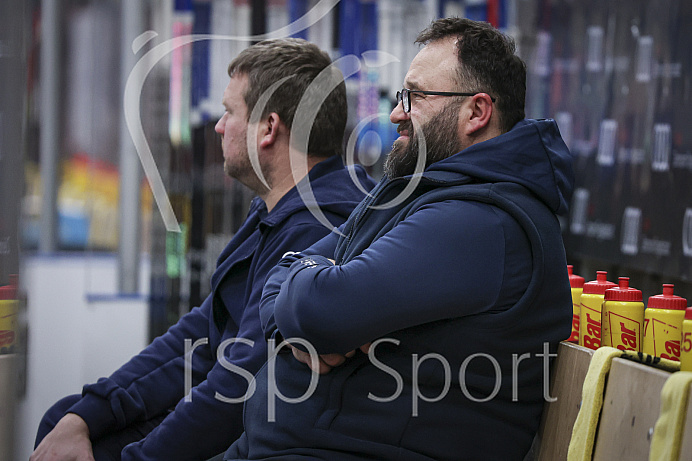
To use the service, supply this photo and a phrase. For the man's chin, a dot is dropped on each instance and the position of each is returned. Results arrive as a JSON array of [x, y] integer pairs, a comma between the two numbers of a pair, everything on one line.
[[400, 143], [227, 169], [393, 167]]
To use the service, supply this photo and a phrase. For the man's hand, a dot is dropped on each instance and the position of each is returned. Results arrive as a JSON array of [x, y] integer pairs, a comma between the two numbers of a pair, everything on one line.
[[68, 441], [325, 362]]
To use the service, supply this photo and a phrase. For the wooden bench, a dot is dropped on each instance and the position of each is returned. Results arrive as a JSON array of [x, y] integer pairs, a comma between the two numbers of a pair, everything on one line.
[[631, 408], [567, 377]]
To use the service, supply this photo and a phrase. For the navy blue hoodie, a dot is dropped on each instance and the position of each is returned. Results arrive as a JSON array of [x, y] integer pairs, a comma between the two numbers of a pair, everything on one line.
[[204, 423], [462, 288]]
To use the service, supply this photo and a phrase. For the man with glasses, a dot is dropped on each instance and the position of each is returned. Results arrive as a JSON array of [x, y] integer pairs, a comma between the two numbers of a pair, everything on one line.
[[424, 331], [182, 397]]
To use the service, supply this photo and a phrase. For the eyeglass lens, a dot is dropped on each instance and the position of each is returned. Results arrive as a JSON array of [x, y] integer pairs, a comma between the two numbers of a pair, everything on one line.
[[403, 96]]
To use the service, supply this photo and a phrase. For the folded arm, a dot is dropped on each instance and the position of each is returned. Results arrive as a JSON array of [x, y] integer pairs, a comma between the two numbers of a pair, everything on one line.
[[443, 261], [142, 388], [278, 275]]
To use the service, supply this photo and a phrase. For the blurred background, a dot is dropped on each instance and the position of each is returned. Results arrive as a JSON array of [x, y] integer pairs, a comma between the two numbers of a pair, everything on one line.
[[94, 265]]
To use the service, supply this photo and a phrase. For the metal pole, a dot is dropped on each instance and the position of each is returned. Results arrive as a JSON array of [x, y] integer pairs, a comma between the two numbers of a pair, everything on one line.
[[14, 22], [132, 24], [50, 123]]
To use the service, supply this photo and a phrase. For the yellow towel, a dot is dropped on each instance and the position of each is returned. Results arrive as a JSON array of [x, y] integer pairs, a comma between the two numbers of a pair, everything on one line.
[[665, 445], [584, 430]]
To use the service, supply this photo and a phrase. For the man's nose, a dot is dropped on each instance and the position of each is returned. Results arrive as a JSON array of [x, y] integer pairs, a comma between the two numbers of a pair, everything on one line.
[[398, 115], [219, 125]]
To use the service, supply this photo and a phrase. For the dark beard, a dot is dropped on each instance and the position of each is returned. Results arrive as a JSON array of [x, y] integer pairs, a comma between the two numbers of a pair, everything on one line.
[[441, 141]]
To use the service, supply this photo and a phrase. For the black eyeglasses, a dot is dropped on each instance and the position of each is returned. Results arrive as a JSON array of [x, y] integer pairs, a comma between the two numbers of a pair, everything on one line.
[[405, 96]]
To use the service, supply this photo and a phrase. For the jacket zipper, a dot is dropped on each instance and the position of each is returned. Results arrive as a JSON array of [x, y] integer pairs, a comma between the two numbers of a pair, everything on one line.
[[365, 209]]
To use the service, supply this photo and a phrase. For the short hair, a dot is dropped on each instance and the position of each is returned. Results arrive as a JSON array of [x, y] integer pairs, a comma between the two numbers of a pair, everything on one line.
[[269, 61], [487, 62]]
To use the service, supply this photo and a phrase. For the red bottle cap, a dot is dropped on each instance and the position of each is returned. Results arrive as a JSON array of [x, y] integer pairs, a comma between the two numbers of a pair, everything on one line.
[[667, 300], [600, 285], [688, 313], [623, 292], [9, 291], [575, 281]]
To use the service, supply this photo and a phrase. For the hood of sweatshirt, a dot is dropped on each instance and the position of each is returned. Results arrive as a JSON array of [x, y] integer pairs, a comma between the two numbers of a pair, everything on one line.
[[317, 191], [532, 154]]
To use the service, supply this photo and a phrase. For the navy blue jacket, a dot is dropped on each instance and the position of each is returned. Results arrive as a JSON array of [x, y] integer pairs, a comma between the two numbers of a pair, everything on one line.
[[463, 288], [204, 423]]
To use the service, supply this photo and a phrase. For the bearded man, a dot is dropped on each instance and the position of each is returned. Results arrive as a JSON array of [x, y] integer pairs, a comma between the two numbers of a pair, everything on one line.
[[424, 331]]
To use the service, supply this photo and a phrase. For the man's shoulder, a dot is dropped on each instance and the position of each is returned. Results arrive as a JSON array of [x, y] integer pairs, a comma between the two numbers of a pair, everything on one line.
[[331, 180], [304, 221], [326, 198], [495, 193]]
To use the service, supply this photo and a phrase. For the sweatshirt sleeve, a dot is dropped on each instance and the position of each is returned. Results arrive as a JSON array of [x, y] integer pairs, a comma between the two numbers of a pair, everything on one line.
[[141, 388], [278, 274], [210, 419], [445, 260]]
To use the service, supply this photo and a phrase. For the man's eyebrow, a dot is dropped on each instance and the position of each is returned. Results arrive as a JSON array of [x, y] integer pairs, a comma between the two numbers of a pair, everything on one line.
[[411, 85]]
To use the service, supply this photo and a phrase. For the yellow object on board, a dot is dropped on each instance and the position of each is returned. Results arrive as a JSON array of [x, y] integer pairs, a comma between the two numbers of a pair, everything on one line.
[[8, 325], [584, 430], [665, 444]]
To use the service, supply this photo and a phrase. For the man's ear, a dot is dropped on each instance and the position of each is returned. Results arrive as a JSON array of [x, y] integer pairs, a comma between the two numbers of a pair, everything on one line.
[[478, 113], [268, 131]]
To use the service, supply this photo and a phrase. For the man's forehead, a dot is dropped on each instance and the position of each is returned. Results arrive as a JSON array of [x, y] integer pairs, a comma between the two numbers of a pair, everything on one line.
[[236, 84], [238, 81], [435, 64]]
